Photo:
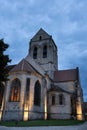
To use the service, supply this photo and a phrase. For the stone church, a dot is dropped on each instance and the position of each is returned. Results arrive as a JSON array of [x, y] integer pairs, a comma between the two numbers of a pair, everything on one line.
[[37, 89]]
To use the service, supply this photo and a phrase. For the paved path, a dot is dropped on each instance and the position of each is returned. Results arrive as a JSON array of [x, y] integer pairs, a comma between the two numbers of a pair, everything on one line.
[[83, 127], [78, 127]]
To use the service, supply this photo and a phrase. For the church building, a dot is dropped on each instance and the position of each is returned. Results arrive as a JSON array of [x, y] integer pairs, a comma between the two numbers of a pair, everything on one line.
[[37, 89]]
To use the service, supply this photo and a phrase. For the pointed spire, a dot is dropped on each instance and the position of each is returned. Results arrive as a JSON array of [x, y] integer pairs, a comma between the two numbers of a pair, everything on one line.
[[40, 35]]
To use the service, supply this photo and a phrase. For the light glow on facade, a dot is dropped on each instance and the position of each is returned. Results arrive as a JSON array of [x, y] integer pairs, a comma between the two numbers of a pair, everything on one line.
[[79, 112], [26, 112], [45, 108]]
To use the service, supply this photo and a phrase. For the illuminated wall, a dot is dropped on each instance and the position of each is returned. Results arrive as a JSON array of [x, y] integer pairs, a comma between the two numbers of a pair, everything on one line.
[[45, 107], [26, 111], [79, 111]]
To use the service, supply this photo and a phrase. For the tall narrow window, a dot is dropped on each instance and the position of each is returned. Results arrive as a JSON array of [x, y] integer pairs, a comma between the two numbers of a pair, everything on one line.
[[45, 51], [61, 99], [53, 99], [27, 88], [1, 93], [35, 53], [40, 38], [15, 91], [37, 94]]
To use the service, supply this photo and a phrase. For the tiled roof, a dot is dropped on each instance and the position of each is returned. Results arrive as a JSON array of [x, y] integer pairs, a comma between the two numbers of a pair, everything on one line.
[[23, 66], [65, 75]]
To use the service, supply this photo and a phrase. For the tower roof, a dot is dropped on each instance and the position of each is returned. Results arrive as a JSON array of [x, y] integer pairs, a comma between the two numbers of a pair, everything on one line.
[[41, 34]]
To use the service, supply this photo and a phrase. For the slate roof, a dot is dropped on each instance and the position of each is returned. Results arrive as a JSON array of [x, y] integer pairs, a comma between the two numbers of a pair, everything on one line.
[[23, 66], [9, 67], [57, 89], [65, 75]]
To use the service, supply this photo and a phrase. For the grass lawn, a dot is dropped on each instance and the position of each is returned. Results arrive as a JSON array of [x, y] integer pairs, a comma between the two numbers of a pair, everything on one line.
[[41, 123]]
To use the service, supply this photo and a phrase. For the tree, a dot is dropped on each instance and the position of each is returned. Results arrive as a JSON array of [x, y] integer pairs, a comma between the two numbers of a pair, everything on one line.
[[4, 60]]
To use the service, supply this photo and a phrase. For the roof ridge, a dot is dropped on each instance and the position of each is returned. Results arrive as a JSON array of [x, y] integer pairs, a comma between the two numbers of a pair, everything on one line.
[[22, 65], [67, 69]]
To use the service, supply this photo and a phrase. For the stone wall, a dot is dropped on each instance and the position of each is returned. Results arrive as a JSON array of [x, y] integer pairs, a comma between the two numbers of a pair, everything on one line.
[[12, 112], [58, 111]]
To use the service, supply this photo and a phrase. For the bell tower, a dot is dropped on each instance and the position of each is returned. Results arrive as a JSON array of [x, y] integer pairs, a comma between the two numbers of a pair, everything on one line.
[[44, 51]]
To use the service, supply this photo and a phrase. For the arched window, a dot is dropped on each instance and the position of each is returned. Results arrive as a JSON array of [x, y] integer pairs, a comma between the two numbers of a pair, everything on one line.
[[61, 99], [40, 38], [37, 94], [27, 89], [53, 99], [45, 51], [35, 53], [1, 93], [15, 91]]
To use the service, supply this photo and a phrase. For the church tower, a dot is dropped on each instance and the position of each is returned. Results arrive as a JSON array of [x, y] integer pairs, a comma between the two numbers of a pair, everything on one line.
[[44, 51]]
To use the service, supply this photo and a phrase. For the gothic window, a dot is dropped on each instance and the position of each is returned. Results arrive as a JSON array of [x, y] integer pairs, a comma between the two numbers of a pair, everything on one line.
[[37, 94], [1, 93], [61, 99], [35, 53], [15, 91], [45, 51], [53, 99], [27, 88]]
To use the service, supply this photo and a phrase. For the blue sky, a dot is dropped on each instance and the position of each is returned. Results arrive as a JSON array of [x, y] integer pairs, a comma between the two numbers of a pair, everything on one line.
[[65, 20]]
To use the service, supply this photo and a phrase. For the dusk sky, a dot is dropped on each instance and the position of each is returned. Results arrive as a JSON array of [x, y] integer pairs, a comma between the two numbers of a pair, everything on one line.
[[65, 20]]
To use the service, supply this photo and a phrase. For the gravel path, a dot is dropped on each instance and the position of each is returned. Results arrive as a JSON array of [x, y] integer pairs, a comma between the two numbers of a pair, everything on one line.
[[78, 127]]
